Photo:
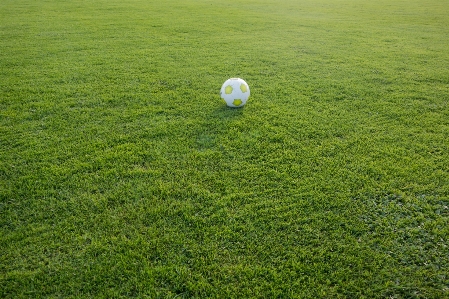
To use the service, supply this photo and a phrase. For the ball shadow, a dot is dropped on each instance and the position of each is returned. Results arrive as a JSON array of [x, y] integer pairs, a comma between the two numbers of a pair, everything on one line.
[[224, 112]]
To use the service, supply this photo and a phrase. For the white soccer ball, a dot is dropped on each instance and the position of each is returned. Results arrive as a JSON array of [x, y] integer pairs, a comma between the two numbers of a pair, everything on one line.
[[235, 92]]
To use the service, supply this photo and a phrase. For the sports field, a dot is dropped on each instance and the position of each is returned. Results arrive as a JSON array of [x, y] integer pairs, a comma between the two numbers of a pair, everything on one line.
[[124, 175]]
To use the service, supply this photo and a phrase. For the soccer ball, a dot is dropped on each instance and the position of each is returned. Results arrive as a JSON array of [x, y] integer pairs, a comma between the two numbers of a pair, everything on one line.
[[235, 92]]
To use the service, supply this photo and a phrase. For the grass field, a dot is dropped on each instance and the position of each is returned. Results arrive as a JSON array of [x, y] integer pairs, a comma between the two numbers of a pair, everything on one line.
[[123, 174]]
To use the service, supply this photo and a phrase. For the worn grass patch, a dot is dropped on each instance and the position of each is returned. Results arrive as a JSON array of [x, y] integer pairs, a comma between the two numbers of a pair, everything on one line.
[[122, 173]]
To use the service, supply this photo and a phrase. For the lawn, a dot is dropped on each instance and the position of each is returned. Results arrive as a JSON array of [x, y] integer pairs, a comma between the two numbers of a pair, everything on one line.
[[123, 174]]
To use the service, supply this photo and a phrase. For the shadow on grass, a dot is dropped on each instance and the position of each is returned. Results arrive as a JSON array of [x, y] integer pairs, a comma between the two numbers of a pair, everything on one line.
[[224, 112]]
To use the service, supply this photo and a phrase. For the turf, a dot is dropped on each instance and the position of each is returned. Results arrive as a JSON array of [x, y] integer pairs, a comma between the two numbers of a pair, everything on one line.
[[122, 173]]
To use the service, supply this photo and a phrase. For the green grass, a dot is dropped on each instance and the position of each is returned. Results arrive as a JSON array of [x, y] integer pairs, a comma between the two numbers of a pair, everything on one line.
[[122, 173]]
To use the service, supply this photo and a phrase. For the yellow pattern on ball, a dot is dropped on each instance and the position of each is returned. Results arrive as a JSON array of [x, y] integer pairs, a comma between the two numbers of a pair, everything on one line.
[[243, 88], [228, 89], [237, 102]]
